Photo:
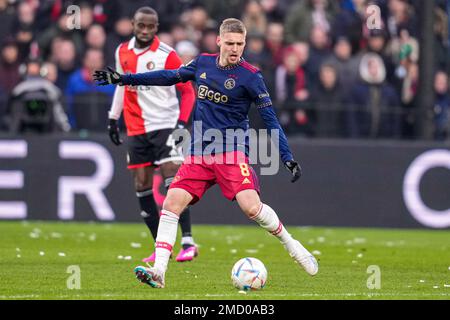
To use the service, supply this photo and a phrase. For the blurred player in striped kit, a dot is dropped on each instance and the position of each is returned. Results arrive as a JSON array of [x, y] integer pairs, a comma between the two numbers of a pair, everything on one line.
[[151, 114]]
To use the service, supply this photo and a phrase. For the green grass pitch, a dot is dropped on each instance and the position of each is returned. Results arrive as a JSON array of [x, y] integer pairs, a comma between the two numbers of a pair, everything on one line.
[[35, 258]]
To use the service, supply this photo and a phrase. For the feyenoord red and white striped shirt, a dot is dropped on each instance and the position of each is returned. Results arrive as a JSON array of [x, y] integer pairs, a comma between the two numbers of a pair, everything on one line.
[[150, 108]]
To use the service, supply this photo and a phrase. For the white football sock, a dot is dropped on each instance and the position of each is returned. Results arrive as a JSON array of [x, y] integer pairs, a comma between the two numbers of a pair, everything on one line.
[[187, 240], [268, 219], [167, 234]]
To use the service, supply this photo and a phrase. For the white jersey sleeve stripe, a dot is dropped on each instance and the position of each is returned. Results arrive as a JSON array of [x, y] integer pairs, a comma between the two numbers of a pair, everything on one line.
[[117, 103]]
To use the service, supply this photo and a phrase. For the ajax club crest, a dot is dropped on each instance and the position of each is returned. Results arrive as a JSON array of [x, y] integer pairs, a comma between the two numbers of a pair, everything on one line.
[[230, 83]]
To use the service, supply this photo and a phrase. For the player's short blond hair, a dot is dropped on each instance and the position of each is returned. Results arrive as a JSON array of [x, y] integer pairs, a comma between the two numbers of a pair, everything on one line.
[[232, 25]]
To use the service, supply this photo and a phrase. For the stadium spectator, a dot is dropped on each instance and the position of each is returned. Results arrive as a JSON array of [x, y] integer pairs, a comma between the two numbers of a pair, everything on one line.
[[170, 11], [327, 103], [401, 16], [7, 17], [9, 75], [121, 32], [254, 18], [47, 13], [403, 49], [95, 37], [63, 54], [9, 65], [106, 13], [349, 22], [377, 43], [275, 41], [291, 91], [3, 110], [36, 103], [319, 50], [408, 95], [346, 65], [303, 51], [60, 30], [196, 21], [86, 16], [442, 45], [51, 71], [306, 15], [168, 39], [275, 10], [186, 50], [441, 106], [256, 52], [179, 32], [373, 109], [66, 27], [23, 28], [404, 52], [81, 92], [208, 42], [222, 9]]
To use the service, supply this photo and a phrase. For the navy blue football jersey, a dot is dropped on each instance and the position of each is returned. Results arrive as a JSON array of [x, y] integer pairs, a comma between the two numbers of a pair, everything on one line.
[[224, 98]]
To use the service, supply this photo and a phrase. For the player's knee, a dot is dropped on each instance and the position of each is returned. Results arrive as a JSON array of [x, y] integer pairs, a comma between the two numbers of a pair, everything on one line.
[[252, 210], [141, 183], [172, 205], [169, 169]]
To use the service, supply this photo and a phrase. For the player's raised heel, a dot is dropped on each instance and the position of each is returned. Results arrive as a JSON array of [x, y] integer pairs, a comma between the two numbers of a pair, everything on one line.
[[305, 259], [149, 276]]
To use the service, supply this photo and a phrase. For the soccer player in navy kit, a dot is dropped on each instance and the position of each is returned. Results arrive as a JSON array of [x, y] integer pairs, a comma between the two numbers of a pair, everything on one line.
[[227, 86]]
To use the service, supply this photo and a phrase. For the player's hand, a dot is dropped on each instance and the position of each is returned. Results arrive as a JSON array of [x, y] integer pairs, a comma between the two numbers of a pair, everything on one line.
[[105, 77], [181, 125], [295, 169], [114, 134]]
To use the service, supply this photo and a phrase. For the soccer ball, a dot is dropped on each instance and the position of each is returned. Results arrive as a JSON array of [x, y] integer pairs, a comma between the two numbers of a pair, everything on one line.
[[249, 274]]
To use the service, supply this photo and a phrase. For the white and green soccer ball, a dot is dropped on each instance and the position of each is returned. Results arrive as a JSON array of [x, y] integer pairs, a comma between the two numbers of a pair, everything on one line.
[[249, 274]]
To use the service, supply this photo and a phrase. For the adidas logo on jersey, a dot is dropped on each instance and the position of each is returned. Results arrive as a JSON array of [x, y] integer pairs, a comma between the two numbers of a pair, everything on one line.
[[203, 75], [246, 181]]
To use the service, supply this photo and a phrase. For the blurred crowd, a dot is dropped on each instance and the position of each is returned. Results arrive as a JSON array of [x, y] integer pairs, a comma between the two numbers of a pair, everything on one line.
[[333, 68]]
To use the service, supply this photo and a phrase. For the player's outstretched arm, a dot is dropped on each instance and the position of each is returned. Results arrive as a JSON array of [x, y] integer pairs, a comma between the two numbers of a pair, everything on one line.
[[153, 78]]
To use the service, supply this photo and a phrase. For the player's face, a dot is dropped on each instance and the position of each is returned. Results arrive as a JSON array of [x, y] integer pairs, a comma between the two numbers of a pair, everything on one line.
[[231, 47], [145, 27]]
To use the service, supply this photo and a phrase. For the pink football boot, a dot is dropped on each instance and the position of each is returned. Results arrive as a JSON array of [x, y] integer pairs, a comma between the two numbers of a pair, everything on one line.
[[150, 258], [188, 254]]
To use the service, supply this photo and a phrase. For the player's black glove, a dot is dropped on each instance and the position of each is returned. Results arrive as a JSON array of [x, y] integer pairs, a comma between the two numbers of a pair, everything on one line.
[[295, 169], [114, 134], [105, 77]]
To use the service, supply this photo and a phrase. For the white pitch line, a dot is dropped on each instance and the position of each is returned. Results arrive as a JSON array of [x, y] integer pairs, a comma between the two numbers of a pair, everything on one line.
[[302, 295]]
